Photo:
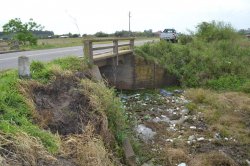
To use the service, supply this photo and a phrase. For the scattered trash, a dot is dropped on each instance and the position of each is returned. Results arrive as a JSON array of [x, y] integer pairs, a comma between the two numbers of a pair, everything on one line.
[[217, 136], [145, 133], [169, 140], [200, 139], [182, 164], [177, 91], [149, 163], [146, 117], [165, 93], [179, 121], [248, 162], [164, 119], [192, 127], [184, 111], [191, 138]]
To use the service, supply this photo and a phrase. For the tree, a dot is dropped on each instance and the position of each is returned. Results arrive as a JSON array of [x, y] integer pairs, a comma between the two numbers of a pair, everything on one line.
[[101, 34], [22, 32]]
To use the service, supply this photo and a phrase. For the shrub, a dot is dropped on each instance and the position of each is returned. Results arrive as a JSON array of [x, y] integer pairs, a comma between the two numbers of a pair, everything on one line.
[[184, 39], [221, 64], [230, 82], [215, 31], [246, 87]]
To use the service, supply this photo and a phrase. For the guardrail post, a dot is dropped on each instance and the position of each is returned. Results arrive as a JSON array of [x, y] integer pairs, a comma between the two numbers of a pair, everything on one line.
[[132, 44], [88, 51], [115, 50]]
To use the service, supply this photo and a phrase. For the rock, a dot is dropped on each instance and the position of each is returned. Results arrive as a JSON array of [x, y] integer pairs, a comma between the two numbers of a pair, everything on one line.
[[165, 93], [182, 164], [145, 133], [200, 139]]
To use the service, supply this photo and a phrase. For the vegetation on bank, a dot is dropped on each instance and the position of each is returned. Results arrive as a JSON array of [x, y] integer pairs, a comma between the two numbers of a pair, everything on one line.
[[215, 57], [19, 117]]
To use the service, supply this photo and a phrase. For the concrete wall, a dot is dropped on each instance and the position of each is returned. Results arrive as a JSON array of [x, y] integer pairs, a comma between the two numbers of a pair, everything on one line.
[[136, 73], [121, 76], [150, 75]]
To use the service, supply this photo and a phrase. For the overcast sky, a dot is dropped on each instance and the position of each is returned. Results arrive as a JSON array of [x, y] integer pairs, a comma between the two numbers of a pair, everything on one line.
[[63, 16]]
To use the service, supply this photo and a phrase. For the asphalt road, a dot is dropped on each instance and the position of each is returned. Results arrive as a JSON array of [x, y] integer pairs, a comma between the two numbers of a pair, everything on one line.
[[9, 60]]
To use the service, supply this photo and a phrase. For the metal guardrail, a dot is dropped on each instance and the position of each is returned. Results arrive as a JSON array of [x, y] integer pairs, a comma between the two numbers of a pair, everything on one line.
[[89, 49]]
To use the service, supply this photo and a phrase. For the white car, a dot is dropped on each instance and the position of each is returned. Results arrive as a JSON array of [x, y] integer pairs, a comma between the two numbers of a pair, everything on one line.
[[169, 35]]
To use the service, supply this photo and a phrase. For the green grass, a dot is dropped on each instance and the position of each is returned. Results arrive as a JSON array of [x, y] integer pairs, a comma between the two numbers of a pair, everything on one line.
[[43, 72], [103, 100], [16, 115]]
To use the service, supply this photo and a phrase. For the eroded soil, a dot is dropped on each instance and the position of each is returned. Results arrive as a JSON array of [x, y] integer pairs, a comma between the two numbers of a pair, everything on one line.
[[63, 107]]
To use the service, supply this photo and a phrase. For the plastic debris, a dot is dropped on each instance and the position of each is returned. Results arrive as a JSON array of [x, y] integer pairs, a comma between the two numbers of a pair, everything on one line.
[[144, 132], [165, 93], [182, 164]]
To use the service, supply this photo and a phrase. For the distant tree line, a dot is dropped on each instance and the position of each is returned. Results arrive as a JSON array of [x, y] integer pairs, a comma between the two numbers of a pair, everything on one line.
[[124, 33], [39, 34]]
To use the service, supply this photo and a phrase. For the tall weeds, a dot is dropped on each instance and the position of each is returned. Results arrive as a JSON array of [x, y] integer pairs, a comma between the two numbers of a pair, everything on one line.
[[220, 62]]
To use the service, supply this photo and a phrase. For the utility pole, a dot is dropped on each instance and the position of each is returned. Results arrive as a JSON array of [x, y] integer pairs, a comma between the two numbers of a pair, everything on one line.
[[129, 16]]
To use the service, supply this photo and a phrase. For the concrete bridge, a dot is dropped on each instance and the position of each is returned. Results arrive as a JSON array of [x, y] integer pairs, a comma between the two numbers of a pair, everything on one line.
[[123, 69]]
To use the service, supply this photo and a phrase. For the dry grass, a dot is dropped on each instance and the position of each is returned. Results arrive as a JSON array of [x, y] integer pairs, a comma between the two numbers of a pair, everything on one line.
[[227, 112], [22, 149], [87, 149], [61, 41], [175, 156], [4, 46], [212, 159]]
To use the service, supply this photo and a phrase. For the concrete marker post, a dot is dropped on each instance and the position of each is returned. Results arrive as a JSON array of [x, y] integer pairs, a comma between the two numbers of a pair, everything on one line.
[[24, 67]]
